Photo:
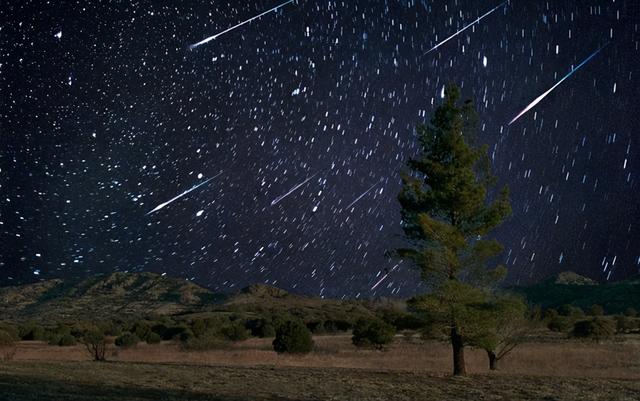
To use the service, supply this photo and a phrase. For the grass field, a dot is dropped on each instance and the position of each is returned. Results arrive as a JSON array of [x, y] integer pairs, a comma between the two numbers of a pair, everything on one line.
[[409, 370]]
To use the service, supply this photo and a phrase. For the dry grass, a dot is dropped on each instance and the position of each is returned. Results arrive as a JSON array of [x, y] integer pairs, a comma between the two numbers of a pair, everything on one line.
[[564, 358], [76, 381]]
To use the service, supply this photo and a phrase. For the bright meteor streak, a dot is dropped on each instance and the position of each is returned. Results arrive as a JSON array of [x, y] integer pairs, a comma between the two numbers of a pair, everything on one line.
[[363, 194], [466, 27], [210, 38], [539, 98], [160, 206], [279, 198]]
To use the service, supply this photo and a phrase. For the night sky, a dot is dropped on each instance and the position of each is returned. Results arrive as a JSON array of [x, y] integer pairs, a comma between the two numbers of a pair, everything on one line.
[[107, 114]]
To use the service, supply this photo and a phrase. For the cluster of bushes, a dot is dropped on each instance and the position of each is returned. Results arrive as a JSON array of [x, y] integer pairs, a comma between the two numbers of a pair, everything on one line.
[[595, 325], [374, 333]]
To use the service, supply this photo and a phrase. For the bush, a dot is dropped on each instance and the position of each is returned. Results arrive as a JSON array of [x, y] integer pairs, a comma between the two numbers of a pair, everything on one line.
[[631, 312], [261, 328], [153, 338], [316, 327], [205, 342], [127, 340], [597, 329], [182, 333], [293, 337], [596, 310], [625, 324], [235, 331], [332, 326], [199, 327], [67, 340], [559, 324], [571, 311], [372, 333], [32, 332], [141, 329]]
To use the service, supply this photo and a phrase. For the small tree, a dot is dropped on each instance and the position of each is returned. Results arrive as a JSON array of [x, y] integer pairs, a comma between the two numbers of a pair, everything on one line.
[[96, 344], [445, 215], [293, 337], [372, 333], [507, 326], [630, 312]]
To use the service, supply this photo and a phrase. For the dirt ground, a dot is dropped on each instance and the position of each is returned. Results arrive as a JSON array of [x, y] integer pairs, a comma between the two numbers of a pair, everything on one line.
[[410, 370]]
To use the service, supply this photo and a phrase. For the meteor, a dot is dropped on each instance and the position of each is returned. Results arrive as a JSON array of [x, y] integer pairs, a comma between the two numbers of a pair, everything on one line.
[[160, 206], [539, 98], [363, 194], [465, 27], [210, 38], [279, 198], [383, 277]]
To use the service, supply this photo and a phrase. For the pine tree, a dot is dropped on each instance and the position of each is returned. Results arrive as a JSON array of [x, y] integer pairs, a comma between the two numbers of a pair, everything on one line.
[[445, 215]]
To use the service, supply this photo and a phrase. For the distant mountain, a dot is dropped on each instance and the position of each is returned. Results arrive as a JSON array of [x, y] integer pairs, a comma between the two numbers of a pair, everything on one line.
[[569, 288], [129, 295], [121, 294]]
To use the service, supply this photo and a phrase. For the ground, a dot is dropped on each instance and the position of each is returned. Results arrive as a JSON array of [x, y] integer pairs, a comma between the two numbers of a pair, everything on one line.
[[410, 370]]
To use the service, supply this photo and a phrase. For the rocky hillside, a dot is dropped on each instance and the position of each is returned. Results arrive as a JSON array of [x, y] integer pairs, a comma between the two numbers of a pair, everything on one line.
[[118, 294], [123, 295]]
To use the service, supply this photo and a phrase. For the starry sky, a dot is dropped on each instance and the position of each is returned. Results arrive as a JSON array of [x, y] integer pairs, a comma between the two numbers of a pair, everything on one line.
[[301, 120]]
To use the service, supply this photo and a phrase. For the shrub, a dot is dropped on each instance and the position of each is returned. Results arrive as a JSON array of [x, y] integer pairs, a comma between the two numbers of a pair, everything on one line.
[[316, 327], [32, 332], [596, 310], [293, 337], [631, 312], [182, 333], [559, 323], [205, 342], [141, 329], [624, 324], [372, 333], [261, 328], [333, 326], [572, 311], [235, 331], [597, 329], [67, 340], [127, 340], [153, 338], [199, 327]]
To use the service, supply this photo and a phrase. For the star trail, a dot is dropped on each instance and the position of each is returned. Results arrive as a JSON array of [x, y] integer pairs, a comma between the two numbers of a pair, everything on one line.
[[109, 109]]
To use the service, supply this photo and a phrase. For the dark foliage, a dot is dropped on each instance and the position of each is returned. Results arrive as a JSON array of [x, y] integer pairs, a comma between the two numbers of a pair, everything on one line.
[[293, 337]]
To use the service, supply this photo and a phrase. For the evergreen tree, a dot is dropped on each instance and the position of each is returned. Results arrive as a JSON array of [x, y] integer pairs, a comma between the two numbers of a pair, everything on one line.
[[445, 215]]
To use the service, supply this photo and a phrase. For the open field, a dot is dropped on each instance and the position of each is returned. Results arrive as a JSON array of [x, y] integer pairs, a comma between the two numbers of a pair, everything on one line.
[[409, 370], [76, 381]]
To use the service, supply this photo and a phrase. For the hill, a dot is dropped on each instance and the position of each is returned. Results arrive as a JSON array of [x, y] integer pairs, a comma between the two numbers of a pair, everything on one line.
[[134, 295], [569, 288]]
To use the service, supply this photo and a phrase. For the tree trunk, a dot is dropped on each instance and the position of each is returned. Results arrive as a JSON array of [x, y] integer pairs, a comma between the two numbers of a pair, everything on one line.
[[458, 353], [493, 360]]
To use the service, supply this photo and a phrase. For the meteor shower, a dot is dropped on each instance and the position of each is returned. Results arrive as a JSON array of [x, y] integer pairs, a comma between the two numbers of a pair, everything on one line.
[[358, 200]]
